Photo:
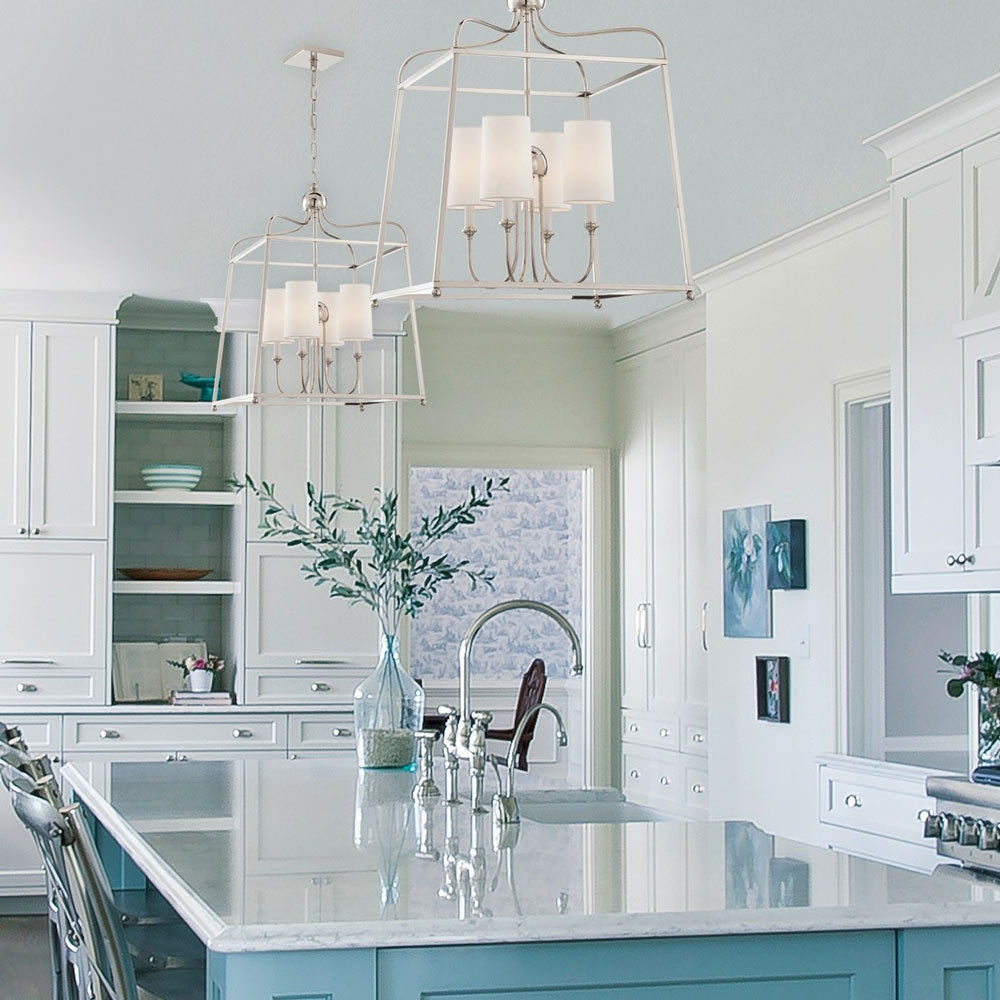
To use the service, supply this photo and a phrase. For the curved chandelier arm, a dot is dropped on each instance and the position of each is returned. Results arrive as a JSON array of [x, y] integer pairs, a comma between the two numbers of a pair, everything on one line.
[[501, 32], [294, 223], [339, 239], [590, 263], [551, 48], [604, 31]]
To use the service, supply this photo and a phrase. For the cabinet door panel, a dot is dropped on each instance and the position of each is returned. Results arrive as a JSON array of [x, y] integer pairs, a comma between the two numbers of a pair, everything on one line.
[[982, 228], [927, 433], [70, 427], [15, 413], [53, 603], [666, 528], [949, 963], [982, 450], [284, 443], [290, 619], [635, 463]]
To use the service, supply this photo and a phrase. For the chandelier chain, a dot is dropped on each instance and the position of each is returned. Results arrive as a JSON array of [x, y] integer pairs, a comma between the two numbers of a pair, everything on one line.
[[313, 95]]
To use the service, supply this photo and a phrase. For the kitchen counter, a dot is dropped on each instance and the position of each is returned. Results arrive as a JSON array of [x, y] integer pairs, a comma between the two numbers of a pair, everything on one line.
[[264, 858]]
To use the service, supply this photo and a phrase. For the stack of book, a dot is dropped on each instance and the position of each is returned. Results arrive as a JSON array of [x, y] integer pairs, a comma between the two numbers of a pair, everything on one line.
[[201, 698]]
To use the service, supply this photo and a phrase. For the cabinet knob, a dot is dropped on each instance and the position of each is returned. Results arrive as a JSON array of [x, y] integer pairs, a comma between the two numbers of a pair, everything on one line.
[[36, 531], [961, 559], [22, 531], [633, 773], [110, 734], [664, 781], [698, 738], [951, 560], [971, 560], [293, 756], [664, 732], [242, 734], [633, 727], [170, 758], [698, 789], [852, 801], [182, 756], [337, 731], [319, 686], [26, 688]]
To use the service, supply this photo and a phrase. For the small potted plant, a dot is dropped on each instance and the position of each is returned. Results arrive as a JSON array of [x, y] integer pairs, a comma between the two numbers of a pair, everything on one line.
[[981, 671], [199, 671]]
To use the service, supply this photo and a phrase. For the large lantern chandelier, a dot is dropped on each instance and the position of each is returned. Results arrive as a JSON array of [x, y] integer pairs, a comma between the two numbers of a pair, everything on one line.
[[313, 277], [542, 185]]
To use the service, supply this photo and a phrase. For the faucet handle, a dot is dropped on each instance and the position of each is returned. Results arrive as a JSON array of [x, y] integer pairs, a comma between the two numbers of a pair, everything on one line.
[[482, 719], [448, 710]]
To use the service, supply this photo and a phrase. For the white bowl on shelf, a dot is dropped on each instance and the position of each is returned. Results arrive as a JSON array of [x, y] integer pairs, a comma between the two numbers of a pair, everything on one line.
[[171, 477]]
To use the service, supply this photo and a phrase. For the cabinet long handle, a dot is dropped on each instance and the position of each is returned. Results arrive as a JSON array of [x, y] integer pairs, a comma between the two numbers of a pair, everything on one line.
[[29, 663], [110, 734], [26, 688], [320, 663], [340, 732], [642, 626], [704, 626], [320, 686], [242, 734]]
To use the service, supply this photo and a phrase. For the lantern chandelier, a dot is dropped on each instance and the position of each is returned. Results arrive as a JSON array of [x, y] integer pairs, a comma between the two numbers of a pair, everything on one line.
[[530, 178], [312, 327]]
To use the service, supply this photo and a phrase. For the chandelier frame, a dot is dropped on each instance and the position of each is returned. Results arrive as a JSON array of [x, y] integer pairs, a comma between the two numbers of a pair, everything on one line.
[[417, 75]]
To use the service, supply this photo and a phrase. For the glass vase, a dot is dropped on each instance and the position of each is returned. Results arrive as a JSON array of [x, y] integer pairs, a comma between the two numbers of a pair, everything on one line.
[[989, 725], [388, 710]]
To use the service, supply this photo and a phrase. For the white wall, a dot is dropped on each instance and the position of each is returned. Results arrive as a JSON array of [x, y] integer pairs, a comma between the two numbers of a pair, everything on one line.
[[781, 330]]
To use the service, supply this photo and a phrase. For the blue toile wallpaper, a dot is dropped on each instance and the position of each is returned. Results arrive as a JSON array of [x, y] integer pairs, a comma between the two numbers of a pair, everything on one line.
[[532, 538]]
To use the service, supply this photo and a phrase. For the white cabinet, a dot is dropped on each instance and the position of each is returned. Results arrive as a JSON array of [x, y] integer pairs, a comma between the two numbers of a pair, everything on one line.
[[981, 168], [56, 402], [664, 655]]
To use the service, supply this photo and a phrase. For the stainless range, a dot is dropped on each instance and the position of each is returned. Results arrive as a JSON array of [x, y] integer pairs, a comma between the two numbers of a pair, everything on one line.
[[967, 822]]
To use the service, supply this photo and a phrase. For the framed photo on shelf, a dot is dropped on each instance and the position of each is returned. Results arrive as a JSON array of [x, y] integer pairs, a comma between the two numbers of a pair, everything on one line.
[[145, 388], [772, 689]]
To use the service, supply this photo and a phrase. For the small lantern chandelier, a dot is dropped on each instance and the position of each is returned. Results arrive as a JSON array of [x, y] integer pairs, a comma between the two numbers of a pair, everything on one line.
[[305, 322], [531, 177]]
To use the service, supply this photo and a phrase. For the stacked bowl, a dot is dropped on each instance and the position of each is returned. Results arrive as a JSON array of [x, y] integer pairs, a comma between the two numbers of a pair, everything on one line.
[[171, 477]]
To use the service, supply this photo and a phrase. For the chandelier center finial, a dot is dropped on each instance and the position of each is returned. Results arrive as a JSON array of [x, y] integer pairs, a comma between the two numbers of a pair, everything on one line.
[[516, 5]]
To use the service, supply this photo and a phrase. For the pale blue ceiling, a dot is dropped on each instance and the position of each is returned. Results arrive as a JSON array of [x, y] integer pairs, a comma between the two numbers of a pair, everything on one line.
[[139, 139]]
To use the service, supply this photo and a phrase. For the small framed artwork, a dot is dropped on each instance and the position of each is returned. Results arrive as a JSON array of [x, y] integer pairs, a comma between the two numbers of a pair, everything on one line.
[[772, 688], [145, 388], [746, 599], [786, 555]]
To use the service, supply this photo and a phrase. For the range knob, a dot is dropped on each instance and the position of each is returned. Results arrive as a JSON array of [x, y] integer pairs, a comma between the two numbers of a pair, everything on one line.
[[989, 836], [968, 831], [932, 825], [949, 827]]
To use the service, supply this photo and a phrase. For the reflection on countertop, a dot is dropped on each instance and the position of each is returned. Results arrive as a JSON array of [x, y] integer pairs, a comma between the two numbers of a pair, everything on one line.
[[267, 855]]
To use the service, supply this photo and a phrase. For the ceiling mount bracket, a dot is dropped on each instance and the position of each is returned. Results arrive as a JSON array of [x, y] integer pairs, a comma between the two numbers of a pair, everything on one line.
[[325, 58]]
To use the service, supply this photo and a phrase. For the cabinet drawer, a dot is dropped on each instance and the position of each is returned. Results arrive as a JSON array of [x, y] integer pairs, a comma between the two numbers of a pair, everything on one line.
[[650, 780], [292, 686], [42, 734], [695, 739], [321, 732], [653, 732], [870, 804], [235, 732], [51, 686]]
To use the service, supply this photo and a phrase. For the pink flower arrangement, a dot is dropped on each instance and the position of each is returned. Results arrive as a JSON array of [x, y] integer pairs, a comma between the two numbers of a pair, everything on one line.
[[213, 664]]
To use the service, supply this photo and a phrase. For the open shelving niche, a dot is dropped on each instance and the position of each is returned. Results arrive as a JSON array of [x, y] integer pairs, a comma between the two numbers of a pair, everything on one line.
[[175, 528]]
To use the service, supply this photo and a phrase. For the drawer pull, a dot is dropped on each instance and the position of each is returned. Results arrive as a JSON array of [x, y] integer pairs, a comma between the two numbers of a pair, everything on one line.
[[320, 663], [633, 773], [698, 738], [293, 756], [633, 727], [242, 734], [319, 686], [852, 801], [10, 661], [110, 734], [170, 758], [182, 757], [36, 531], [698, 789], [337, 731], [26, 688], [664, 781], [664, 732]]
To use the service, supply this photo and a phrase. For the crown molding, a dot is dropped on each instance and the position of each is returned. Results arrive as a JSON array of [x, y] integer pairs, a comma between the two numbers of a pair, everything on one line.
[[61, 306]]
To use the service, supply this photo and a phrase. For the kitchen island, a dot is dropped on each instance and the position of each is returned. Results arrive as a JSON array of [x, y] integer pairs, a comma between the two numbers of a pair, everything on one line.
[[308, 881]]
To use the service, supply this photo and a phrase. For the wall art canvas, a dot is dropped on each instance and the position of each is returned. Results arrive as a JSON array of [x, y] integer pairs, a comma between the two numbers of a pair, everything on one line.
[[772, 688], [746, 600], [786, 555]]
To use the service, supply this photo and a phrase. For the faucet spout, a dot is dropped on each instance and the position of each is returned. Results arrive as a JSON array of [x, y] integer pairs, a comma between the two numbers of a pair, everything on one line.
[[561, 738], [465, 649]]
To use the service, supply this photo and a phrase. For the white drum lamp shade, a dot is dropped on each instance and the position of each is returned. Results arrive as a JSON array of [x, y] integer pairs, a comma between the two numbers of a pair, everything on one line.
[[301, 310], [589, 170], [463, 171], [505, 171], [331, 334], [272, 330], [356, 312]]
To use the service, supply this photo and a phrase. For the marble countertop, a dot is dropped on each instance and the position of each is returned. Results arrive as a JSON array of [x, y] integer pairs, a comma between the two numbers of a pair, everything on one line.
[[272, 855]]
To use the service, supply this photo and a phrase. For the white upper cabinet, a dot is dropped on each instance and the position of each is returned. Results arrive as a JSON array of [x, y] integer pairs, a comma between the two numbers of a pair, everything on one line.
[[927, 420], [15, 417], [54, 459], [945, 174]]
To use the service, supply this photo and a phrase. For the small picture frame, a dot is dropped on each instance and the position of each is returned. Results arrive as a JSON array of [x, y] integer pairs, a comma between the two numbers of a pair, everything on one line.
[[145, 388], [772, 689], [786, 555]]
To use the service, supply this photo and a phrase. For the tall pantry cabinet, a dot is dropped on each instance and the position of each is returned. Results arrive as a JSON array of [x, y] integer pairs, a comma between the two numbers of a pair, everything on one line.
[[664, 655]]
